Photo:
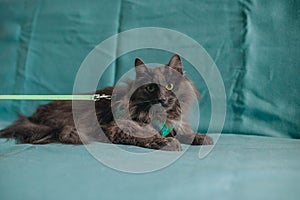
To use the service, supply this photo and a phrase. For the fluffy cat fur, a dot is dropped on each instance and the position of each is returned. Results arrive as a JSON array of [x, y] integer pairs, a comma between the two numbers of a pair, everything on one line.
[[54, 122]]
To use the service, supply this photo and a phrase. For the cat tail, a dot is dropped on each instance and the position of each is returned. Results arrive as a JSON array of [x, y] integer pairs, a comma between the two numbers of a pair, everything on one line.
[[11, 130], [25, 131]]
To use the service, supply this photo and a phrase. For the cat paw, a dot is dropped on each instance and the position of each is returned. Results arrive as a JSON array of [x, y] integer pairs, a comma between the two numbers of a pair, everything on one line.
[[69, 135], [202, 140], [171, 144], [165, 144]]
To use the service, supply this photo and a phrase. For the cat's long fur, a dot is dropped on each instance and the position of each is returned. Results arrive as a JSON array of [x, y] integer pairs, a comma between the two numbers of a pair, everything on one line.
[[54, 121]]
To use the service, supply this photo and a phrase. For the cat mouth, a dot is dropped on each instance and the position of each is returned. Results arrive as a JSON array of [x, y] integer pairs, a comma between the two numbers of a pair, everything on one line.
[[153, 102], [161, 102], [164, 105]]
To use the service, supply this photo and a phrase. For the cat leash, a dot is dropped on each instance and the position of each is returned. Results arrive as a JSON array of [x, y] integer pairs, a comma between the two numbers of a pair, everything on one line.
[[91, 97]]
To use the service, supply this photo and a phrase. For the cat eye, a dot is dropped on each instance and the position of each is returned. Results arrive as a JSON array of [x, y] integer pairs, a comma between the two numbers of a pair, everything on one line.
[[150, 88], [169, 86]]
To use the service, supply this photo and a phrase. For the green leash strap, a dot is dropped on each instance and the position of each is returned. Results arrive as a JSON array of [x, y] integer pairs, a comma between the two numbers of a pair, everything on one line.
[[92, 97]]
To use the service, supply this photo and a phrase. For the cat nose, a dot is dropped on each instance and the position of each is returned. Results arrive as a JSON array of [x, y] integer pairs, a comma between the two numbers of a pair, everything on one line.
[[162, 100]]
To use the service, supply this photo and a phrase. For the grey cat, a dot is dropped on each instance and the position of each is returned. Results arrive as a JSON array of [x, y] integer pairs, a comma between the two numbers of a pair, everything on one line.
[[149, 112]]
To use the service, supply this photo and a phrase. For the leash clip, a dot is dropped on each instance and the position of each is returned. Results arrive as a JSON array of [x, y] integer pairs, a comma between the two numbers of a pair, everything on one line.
[[98, 97]]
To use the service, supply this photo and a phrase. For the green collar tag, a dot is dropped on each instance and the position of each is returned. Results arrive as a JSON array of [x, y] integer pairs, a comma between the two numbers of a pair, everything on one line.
[[164, 129]]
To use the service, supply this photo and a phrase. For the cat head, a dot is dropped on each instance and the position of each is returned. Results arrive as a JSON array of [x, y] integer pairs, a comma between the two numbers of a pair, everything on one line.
[[166, 85]]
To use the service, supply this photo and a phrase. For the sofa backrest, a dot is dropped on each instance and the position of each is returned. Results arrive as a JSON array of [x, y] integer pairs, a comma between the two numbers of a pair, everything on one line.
[[254, 43]]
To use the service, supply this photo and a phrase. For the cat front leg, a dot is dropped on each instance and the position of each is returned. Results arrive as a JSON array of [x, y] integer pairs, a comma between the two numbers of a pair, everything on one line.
[[131, 133], [161, 143], [202, 139], [195, 139], [186, 135]]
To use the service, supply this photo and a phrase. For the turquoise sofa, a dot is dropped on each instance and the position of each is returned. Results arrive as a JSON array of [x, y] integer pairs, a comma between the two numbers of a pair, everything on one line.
[[255, 45]]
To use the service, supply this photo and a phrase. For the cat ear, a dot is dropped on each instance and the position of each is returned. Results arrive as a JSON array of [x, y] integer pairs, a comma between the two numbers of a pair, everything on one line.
[[175, 63], [140, 66]]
